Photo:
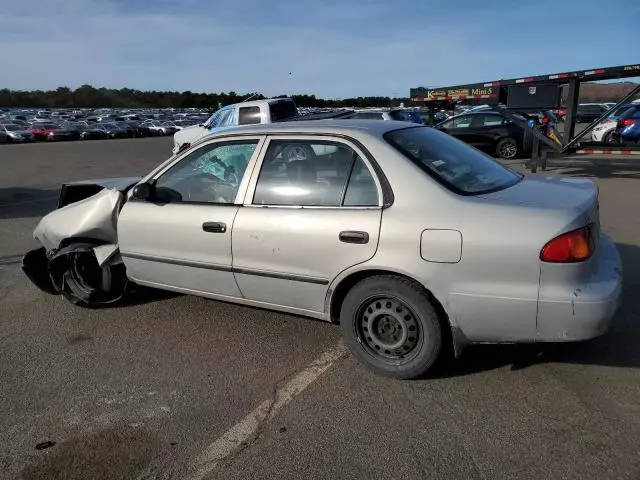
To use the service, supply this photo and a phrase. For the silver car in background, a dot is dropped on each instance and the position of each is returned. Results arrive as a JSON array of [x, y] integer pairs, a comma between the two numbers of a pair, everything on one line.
[[410, 239], [15, 133]]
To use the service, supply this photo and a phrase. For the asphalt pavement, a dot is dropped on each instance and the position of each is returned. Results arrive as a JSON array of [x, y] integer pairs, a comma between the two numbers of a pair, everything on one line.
[[179, 387]]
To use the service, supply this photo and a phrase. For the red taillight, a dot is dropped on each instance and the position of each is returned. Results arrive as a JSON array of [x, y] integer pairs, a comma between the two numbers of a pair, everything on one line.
[[626, 122], [574, 246]]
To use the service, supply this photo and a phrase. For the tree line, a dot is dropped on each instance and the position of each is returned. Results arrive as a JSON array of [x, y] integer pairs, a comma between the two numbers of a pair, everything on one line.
[[88, 96]]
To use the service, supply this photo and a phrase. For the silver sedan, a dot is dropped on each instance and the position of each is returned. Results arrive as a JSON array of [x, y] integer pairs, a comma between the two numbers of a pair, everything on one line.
[[410, 239]]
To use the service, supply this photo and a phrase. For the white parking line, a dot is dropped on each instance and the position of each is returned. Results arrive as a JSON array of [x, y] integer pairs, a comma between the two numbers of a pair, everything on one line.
[[247, 429]]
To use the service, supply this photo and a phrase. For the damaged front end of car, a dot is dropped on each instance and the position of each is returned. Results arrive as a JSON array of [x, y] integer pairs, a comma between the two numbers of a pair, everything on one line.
[[79, 257]]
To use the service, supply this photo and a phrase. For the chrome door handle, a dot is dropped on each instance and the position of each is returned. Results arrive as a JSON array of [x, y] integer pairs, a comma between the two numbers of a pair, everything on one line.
[[354, 237], [214, 227]]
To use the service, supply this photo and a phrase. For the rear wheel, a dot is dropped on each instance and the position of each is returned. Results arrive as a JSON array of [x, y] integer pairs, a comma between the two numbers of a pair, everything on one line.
[[391, 326], [507, 148], [608, 138]]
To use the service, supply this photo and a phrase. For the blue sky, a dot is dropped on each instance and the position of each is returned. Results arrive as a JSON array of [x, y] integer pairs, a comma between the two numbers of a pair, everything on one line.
[[333, 48]]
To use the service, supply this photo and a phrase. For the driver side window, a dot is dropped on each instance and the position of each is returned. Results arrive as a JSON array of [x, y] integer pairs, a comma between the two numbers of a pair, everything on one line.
[[461, 122], [210, 174]]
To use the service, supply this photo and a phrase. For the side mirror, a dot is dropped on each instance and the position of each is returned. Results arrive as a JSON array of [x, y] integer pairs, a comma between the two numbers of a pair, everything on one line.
[[142, 191]]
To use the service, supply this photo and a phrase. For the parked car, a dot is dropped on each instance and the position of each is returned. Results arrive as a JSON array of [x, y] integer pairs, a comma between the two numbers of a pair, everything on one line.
[[85, 131], [631, 133], [156, 127], [14, 133], [245, 113], [399, 114], [589, 112], [412, 239], [139, 130], [626, 130], [112, 130], [61, 133], [42, 130], [605, 131], [487, 131]]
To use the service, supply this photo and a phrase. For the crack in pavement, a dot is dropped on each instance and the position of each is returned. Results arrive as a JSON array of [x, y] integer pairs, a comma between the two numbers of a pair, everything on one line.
[[250, 428]]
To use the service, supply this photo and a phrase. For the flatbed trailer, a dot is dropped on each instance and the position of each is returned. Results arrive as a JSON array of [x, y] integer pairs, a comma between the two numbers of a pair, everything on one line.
[[496, 92]]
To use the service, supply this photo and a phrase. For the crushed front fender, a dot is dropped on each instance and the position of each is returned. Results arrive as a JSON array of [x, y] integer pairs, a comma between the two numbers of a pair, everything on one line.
[[92, 218]]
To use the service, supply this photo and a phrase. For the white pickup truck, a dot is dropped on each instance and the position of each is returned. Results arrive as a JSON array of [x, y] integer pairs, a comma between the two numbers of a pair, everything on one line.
[[245, 113]]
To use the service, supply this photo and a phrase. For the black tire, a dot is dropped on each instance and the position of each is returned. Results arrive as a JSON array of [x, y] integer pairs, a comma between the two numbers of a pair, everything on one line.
[[578, 119], [390, 325], [608, 137], [507, 149], [84, 283]]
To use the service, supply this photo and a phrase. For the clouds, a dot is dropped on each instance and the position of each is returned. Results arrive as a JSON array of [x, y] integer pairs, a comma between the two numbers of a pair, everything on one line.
[[333, 48]]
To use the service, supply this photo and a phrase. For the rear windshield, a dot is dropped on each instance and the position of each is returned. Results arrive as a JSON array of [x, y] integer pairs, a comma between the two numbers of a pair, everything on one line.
[[455, 164], [282, 110]]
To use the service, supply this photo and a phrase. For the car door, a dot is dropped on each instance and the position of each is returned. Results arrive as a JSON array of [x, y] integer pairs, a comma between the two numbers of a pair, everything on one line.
[[180, 238], [312, 210], [485, 131], [458, 127]]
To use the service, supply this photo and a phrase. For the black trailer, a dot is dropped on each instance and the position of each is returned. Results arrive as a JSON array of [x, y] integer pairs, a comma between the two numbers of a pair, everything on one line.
[[534, 93]]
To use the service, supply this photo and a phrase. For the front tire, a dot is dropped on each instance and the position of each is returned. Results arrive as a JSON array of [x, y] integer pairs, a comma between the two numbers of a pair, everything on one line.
[[389, 324], [83, 282]]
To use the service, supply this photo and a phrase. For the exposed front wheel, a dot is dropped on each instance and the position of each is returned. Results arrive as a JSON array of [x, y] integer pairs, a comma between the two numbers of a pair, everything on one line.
[[390, 325], [77, 275]]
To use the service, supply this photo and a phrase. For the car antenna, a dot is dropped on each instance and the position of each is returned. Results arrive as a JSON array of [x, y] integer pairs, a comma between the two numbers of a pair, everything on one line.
[[250, 97]]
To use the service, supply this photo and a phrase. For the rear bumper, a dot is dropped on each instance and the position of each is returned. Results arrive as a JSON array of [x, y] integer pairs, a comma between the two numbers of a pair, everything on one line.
[[582, 311]]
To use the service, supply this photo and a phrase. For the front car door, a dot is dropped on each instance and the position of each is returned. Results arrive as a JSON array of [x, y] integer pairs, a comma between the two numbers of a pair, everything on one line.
[[458, 127], [180, 239], [312, 210]]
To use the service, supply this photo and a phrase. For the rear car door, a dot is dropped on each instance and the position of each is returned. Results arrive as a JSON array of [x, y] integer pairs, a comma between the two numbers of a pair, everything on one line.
[[486, 131], [312, 210], [181, 237]]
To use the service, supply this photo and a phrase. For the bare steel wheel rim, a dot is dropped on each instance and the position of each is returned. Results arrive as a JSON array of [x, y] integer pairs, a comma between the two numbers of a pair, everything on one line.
[[508, 150], [388, 329]]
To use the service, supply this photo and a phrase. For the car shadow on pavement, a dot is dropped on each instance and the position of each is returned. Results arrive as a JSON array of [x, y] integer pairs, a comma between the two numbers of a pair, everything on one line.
[[139, 295], [599, 168], [19, 202], [619, 347]]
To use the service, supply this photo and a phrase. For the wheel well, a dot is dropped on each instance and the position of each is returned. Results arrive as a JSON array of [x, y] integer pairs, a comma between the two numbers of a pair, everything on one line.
[[348, 282]]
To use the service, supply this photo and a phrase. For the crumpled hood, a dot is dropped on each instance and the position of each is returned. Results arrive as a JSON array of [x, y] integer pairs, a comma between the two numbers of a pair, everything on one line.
[[93, 217]]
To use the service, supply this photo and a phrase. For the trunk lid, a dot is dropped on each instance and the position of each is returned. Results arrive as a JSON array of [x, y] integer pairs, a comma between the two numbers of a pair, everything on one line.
[[577, 196]]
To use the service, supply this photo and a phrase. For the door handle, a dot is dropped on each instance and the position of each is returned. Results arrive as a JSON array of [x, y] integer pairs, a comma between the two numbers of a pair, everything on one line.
[[354, 237], [214, 227]]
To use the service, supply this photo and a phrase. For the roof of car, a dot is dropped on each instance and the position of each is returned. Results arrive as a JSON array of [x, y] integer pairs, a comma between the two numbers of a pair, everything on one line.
[[375, 127]]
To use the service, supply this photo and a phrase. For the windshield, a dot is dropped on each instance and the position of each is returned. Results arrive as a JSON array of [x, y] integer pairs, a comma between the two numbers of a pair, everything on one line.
[[14, 128], [453, 163]]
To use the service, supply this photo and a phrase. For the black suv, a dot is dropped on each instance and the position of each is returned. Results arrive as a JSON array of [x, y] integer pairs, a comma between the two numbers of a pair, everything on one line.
[[487, 131], [588, 112]]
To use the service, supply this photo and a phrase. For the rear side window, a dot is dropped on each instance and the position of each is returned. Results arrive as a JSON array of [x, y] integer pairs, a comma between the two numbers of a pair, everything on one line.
[[249, 115], [369, 116], [314, 173], [453, 163], [488, 120], [282, 110]]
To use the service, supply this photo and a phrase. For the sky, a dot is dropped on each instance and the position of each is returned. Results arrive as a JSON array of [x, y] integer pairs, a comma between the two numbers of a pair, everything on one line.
[[330, 48]]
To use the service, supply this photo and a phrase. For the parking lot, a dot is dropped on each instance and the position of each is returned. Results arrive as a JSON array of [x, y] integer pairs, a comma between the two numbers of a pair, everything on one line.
[[177, 387]]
